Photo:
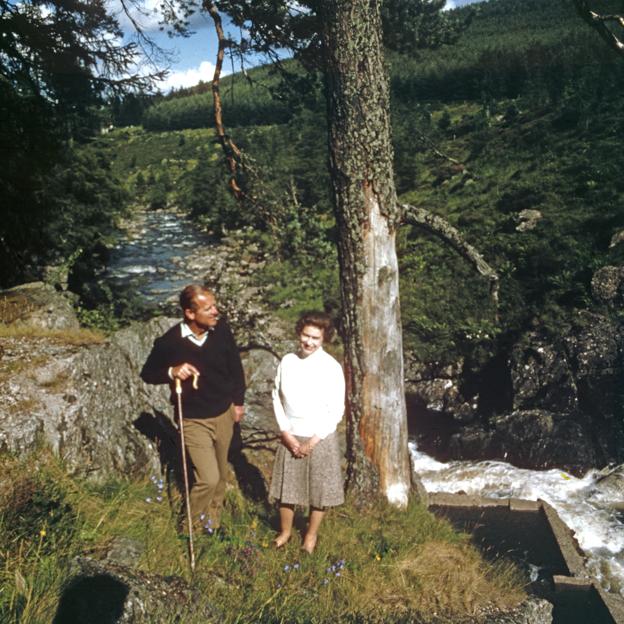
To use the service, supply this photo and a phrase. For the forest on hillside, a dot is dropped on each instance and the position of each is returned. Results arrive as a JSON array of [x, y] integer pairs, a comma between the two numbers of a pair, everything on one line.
[[521, 114]]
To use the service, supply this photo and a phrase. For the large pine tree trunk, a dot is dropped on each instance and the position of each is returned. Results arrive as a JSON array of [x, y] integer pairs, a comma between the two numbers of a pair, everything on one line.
[[367, 215]]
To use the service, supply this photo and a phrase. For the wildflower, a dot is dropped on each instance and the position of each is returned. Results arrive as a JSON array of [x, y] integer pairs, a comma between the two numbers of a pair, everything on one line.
[[337, 573], [296, 566], [254, 524], [325, 581], [159, 499], [264, 544], [202, 516], [148, 499], [42, 533], [286, 568], [377, 557]]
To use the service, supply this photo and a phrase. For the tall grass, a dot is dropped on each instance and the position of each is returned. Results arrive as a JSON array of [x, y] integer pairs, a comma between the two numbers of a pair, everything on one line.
[[375, 565]]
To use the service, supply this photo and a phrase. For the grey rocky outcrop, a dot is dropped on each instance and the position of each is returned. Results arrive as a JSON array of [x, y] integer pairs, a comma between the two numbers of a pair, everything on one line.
[[37, 305], [103, 592], [565, 404], [89, 405], [85, 402], [437, 388]]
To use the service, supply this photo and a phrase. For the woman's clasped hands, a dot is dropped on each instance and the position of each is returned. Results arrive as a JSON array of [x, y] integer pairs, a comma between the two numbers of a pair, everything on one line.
[[296, 448]]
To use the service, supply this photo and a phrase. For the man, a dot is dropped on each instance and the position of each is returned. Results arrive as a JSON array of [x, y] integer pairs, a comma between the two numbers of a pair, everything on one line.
[[202, 345]]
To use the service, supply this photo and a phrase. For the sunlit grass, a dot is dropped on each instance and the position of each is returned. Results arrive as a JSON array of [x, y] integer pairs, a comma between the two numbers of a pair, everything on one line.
[[73, 337], [381, 564]]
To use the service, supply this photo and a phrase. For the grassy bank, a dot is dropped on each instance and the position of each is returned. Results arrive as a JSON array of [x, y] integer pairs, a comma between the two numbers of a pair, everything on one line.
[[378, 565]]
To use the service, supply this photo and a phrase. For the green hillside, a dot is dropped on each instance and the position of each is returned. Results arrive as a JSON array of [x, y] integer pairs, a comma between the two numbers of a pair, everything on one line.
[[522, 114]]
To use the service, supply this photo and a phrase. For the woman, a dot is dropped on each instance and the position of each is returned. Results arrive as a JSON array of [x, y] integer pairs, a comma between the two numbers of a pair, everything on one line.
[[308, 400]]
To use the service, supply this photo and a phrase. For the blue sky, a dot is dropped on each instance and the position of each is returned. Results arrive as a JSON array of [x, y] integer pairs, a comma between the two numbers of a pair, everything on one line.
[[194, 57]]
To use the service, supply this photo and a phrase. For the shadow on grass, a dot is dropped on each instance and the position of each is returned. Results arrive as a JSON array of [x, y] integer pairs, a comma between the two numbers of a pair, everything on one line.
[[96, 599], [248, 476]]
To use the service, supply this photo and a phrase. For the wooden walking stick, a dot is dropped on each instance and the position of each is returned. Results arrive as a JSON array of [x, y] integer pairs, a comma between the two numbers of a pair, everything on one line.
[[189, 518]]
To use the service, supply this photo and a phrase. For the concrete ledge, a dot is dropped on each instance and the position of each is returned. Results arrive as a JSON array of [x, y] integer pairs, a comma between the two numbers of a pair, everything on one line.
[[568, 546], [533, 531]]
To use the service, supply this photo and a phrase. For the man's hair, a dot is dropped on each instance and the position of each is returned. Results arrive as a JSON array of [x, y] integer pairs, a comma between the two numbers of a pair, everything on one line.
[[321, 320], [187, 296]]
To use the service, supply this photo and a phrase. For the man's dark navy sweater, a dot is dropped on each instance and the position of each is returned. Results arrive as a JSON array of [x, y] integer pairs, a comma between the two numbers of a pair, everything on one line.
[[221, 381]]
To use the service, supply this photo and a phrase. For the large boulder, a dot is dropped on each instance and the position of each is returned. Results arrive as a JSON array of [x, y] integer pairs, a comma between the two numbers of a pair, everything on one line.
[[85, 401], [566, 401], [37, 305], [537, 438], [89, 405], [101, 592], [435, 387]]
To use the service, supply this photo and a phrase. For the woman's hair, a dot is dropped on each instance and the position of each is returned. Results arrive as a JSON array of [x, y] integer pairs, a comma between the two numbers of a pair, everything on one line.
[[187, 296], [322, 320]]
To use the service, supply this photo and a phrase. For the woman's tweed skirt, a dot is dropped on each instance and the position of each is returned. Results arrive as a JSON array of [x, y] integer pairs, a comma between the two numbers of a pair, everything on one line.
[[312, 481]]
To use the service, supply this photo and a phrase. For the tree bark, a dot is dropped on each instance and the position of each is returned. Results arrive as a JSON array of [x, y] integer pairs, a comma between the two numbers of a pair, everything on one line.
[[368, 215]]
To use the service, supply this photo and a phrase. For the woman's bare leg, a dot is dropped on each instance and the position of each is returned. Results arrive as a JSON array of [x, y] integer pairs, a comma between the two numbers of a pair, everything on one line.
[[287, 515], [309, 541]]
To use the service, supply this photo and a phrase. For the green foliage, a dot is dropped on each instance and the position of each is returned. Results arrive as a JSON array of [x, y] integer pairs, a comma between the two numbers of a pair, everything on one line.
[[295, 286], [247, 102], [56, 60], [71, 206], [203, 193]]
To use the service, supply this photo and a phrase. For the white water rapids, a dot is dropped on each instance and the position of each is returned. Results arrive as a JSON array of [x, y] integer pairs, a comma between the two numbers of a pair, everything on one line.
[[597, 527]]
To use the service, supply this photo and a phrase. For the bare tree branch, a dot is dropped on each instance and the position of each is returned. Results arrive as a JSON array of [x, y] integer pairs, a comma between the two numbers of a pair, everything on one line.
[[230, 149], [440, 154], [601, 24], [446, 232]]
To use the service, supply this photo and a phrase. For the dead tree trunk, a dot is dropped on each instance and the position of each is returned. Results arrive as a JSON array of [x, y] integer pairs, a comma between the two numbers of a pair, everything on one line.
[[367, 214]]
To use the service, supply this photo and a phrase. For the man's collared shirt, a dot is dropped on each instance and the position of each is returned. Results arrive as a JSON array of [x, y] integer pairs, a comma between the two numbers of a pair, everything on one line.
[[187, 332]]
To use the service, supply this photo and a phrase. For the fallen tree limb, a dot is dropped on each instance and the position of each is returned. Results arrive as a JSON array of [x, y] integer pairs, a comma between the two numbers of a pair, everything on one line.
[[600, 23], [446, 232]]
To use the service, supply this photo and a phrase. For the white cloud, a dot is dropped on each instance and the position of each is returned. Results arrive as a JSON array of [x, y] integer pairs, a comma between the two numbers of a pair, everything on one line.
[[189, 77], [149, 17], [146, 18], [450, 4]]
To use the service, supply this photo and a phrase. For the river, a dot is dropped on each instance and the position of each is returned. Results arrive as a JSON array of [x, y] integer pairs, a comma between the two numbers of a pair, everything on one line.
[[156, 258]]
